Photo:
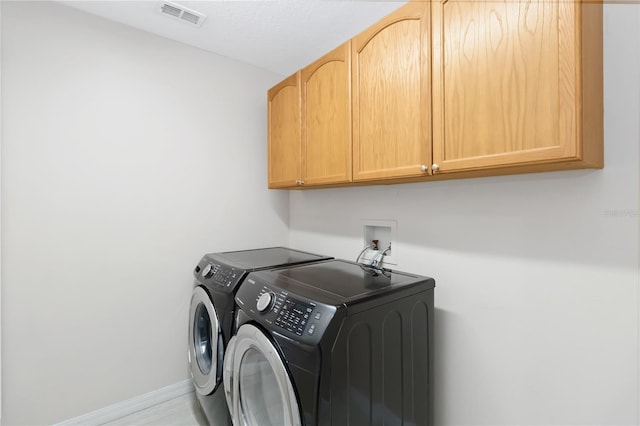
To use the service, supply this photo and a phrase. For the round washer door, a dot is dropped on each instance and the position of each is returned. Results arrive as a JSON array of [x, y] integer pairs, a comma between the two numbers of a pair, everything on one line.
[[256, 383], [205, 343]]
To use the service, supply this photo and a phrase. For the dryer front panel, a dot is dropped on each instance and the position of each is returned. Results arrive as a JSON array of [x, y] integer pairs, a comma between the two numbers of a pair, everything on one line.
[[257, 385], [205, 343]]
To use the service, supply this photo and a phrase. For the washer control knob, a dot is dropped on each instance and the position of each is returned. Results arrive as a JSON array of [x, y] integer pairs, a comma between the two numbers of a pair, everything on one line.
[[265, 301], [207, 272]]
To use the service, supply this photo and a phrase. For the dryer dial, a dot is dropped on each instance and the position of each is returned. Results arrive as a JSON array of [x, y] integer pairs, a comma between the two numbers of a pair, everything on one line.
[[207, 272], [265, 301]]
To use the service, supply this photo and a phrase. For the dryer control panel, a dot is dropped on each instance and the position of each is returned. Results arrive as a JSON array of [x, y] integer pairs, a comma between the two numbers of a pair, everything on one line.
[[223, 276], [291, 315]]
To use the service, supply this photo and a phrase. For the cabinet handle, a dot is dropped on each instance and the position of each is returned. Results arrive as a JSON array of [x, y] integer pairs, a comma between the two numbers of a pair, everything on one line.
[[424, 168], [435, 168], [299, 182]]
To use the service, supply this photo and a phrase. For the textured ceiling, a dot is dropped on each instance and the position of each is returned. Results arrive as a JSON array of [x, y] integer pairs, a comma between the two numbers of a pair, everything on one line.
[[278, 35]]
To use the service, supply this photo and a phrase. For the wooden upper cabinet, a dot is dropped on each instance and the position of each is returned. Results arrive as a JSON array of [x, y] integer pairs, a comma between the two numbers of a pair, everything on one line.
[[456, 88], [391, 96], [326, 119], [284, 133], [516, 83]]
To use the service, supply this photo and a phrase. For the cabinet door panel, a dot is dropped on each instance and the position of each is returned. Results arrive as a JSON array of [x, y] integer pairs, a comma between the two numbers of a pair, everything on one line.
[[505, 83], [284, 133], [391, 103], [326, 119]]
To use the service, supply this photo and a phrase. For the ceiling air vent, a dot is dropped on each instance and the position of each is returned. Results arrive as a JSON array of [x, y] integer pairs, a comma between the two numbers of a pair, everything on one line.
[[182, 13]]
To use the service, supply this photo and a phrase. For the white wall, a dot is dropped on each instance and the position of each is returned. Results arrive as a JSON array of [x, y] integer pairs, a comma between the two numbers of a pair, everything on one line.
[[0, 211], [125, 157], [536, 275]]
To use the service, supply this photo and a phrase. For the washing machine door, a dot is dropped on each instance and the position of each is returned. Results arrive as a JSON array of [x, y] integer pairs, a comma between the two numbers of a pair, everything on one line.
[[257, 385], [205, 343]]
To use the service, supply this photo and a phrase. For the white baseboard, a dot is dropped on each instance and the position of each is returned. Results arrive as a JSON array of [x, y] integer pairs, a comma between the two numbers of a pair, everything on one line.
[[130, 406]]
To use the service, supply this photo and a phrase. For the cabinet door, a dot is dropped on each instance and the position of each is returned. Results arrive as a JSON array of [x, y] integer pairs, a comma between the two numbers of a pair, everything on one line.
[[284, 133], [505, 83], [391, 96], [326, 119]]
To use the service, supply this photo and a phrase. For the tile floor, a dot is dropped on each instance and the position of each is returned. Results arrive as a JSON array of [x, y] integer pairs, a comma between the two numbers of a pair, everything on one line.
[[181, 411]]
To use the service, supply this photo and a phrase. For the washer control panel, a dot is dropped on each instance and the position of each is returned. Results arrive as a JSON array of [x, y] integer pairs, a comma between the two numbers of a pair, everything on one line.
[[291, 315]]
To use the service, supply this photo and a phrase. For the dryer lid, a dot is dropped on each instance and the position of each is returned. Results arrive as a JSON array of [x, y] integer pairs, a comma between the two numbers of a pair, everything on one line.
[[267, 258]]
